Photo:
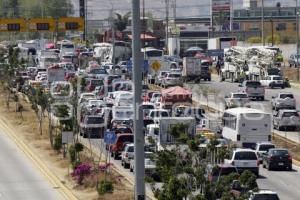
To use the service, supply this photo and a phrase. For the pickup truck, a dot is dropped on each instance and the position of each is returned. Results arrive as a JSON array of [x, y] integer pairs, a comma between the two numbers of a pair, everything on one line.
[[286, 120], [273, 81], [253, 89], [284, 100], [236, 99]]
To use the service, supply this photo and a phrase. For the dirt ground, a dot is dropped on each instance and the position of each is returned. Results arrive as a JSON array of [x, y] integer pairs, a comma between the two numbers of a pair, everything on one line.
[[290, 73], [26, 128], [294, 148]]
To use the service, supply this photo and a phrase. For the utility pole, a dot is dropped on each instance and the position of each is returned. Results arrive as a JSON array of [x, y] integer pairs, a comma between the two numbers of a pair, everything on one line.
[[82, 13], [139, 140], [175, 26], [167, 25], [144, 26], [113, 35], [297, 38], [262, 22], [231, 16]]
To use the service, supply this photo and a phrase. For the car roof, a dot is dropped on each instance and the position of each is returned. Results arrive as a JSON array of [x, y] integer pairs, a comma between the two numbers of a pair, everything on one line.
[[278, 149], [260, 143], [243, 150], [265, 191], [244, 110]]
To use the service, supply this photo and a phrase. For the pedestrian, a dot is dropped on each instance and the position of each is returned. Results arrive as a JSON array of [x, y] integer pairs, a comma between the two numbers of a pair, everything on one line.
[[218, 67]]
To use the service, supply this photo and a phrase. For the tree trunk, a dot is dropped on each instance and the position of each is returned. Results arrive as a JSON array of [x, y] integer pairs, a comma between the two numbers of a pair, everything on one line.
[[50, 130], [41, 122]]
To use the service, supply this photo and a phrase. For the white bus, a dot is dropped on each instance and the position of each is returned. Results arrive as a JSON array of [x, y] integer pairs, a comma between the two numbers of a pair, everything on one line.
[[246, 126]]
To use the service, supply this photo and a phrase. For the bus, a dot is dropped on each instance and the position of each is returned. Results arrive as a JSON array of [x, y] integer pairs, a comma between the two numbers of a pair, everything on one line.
[[246, 126]]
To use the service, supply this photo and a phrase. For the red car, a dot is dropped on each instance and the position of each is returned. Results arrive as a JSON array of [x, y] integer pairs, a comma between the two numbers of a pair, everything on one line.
[[115, 149]]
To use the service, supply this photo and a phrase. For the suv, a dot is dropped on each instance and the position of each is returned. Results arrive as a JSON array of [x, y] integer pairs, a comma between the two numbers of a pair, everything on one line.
[[264, 195], [92, 126], [171, 79], [284, 100], [273, 81], [253, 89], [244, 159], [116, 148], [236, 99], [277, 158], [286, 120], [261, 148], [293, 60], [127, 154]]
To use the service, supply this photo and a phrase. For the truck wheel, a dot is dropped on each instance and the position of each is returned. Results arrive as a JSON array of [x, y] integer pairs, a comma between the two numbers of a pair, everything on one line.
[[280, 128], [262, 98], [209, 79], [126, 165]]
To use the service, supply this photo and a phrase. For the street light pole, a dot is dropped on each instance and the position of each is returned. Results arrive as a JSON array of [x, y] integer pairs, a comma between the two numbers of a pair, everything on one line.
[[262, 22], [139, 140], [297, 38]]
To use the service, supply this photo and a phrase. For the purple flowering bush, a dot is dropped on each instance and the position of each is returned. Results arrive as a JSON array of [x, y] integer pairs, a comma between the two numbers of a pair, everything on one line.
[[80, 172]]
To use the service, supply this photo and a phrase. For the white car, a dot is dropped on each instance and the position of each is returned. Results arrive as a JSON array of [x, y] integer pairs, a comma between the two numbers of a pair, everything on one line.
[[284, 100], [158, 113], [244, 159], [261, 148], [160, 76], [155, 96], [124, 98], [86, 96], [147, 107], [236, 99], [172, 79], [150, 166], [273, 81], [127, 155], [264, 194]]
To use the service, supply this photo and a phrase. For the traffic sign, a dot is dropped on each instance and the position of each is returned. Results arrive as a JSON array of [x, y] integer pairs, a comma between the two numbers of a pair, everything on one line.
[[41, 24], [70, 24], [12, 25], [156, 65], [110, 137]]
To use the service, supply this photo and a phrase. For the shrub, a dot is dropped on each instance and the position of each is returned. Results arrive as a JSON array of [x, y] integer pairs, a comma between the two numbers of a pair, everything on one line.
[[75, 164], [81, 171], [78, 147], [276, 39], [72, 153], [105, 187], [57, 142], [254, 40]]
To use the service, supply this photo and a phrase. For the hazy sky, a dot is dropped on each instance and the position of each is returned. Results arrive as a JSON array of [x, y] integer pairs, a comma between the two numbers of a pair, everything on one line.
[[100, 9]]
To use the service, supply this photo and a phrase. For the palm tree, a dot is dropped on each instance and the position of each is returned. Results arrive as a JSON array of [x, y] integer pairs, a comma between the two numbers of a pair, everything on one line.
[[121, 22]]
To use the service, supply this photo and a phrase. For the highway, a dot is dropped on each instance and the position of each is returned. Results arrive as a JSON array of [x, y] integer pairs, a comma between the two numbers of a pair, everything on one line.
[[19, 178]]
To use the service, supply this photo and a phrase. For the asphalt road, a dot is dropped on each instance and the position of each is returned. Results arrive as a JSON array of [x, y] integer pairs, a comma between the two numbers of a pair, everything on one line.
[[285, 183], [222, 88], [19, 179]]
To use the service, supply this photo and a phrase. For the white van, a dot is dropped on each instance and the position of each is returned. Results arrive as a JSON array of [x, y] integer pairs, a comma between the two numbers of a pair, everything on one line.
[[246, 126]]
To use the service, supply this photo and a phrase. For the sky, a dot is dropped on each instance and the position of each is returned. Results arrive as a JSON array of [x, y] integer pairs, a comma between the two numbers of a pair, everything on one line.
[[100, 9]]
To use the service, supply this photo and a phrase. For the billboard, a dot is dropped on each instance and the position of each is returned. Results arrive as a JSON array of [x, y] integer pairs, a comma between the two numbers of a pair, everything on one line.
[[220, 14]]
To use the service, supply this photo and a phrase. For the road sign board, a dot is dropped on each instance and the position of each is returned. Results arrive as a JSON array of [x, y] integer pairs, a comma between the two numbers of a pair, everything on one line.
[[41, 24], [67, 137], [11, 25], [110, 137], [156, 65], [71, 24]]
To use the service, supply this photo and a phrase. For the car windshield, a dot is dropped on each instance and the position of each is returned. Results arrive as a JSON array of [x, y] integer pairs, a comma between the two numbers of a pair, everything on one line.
[[145, 87], [98, 71], [95, 120], [266, 147], [130, 149], [174, 75], [290, 114], [283, 96], [240, 96], [147, 107], [96, 82], [253, 84], [265, 197], [281, 152], [277, 78], [245, 155], [126, 138]]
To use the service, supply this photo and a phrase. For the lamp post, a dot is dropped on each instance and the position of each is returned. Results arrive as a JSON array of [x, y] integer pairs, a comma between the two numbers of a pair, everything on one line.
[[262, 22], [139, 140], [297, 38]]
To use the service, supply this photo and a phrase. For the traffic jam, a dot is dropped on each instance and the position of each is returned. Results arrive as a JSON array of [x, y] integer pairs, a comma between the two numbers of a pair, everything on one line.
[[105, 112]]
